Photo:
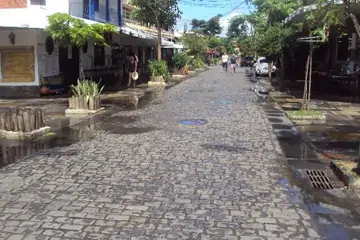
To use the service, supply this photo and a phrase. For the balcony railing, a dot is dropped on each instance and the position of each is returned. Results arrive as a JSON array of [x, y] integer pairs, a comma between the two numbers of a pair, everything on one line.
[[78, 9]]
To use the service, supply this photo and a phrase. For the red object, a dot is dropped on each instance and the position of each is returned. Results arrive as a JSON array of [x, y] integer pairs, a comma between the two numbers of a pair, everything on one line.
[[211, 51], [45, 91]]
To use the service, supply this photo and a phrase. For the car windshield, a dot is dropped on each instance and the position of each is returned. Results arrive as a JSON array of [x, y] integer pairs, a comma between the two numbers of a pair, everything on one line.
[[262, 61]]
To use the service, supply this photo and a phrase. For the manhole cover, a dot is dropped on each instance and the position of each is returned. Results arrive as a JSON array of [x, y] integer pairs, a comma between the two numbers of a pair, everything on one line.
[[192, 122], [318, 179]]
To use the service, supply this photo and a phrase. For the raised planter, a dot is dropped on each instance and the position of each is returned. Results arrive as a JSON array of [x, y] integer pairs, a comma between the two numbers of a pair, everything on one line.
[[293, 116], [84, 105], [22, 123], [157, 80]]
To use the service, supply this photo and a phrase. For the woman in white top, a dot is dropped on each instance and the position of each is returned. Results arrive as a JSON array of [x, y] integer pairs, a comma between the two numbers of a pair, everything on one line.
[[225, 59]]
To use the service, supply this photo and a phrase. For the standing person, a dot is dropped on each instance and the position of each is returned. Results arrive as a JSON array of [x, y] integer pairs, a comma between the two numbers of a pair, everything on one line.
[[133, 64], [233, 63], [225, 59]]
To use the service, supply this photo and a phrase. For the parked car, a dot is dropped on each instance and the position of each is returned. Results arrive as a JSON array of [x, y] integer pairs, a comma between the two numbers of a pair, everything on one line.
[[261, 67], [247, 62]]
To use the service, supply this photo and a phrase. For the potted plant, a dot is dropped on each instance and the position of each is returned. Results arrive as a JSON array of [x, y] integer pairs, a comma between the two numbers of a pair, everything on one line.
[[85, 95], [158, 71]]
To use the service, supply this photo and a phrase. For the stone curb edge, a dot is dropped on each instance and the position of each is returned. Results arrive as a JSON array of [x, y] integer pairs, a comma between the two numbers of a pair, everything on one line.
[[338, 170]]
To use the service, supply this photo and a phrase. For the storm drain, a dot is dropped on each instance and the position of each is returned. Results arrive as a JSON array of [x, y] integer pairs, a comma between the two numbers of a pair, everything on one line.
[[318, 179]]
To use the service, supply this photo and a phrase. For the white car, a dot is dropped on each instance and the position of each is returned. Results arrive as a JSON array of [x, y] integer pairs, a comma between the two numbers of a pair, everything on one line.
[[261, 67]]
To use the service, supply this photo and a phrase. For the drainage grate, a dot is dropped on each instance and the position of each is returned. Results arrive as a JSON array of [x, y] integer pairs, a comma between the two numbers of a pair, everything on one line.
[[319, 179], [192, 122]]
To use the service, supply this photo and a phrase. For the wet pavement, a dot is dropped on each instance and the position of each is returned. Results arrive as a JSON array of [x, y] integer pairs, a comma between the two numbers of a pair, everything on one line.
[[201, 160]]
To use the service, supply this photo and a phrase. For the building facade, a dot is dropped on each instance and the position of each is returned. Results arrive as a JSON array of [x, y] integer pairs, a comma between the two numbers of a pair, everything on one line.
[[29, 58]]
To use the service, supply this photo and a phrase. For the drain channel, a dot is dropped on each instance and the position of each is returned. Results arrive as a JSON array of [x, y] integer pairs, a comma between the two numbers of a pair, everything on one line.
[[318, 179]]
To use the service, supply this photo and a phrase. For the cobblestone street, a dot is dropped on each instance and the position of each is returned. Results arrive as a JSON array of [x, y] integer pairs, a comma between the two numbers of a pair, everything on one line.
[[164, 180]]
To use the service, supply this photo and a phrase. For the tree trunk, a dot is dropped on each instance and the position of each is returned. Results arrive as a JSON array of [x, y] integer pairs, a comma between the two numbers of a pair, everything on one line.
[[270, 64], [281, 72], [305, 97], [159, 44], [356, 23], [310, 78]]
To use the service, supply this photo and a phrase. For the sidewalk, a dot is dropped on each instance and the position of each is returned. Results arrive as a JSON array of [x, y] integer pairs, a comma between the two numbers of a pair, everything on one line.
[[335, 140]]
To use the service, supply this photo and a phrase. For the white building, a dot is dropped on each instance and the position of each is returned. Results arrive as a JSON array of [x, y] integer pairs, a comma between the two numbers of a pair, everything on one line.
[[27, 52]]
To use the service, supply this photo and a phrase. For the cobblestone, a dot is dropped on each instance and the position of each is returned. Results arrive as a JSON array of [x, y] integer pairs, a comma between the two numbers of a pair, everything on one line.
[[215, 181]]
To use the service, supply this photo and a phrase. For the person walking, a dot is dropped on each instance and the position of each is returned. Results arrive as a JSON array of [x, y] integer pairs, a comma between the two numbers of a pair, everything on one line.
[[133, 65], [225, 59], [233, 63]]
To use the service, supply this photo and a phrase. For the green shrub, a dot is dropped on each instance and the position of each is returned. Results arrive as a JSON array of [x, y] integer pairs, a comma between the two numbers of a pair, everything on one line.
[[198, 62], [180, 60], [86, 88], [158, 68]]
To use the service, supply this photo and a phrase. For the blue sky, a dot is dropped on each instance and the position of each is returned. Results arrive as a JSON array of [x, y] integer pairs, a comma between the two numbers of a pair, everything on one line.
[[205, 9]]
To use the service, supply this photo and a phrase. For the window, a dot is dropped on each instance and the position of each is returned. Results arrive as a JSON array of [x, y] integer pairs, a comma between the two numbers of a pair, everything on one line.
[[99, 55], [22, 71], [263, 61], [38, 2], [96, 5]]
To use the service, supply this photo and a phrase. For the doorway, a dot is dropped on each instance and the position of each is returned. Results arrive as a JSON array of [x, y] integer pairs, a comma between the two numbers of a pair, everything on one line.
[[69, 65]]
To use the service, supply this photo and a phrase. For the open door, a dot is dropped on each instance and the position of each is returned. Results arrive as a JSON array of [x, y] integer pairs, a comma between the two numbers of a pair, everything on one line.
[[69, 65]]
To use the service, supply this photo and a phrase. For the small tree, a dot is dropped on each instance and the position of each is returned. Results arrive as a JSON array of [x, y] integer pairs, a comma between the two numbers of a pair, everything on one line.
[[69, 30], [160, 13], [195, 43], [271, 42], [315, 23]]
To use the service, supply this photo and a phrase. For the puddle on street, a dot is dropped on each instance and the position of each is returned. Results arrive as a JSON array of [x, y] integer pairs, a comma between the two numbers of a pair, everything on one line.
[[13, 150], [66, 132], [129, 130]]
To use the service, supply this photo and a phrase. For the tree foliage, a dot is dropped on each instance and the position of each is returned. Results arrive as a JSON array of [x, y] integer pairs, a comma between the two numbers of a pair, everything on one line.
[[195, 43], [238, 27], [214, 42], [69, 30], [160, 13], [209, 27]]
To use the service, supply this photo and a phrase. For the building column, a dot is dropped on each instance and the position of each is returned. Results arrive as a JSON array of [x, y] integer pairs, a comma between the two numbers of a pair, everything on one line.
[[107, 8], [353, 52], [120, 12], [92, 10]]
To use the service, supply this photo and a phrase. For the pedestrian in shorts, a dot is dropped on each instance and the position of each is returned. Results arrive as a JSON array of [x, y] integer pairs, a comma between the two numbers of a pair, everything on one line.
[[225, 59], [233, 63]]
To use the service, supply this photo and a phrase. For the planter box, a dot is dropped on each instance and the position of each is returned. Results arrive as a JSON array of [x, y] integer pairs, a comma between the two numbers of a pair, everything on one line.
[[157, 79], [178, 72], [85, 103], [22, 123]]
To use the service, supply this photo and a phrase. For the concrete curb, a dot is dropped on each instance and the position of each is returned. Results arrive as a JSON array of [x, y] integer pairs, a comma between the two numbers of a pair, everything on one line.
[[339, 171], [70, 111], [25, 135], [350, 179]]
